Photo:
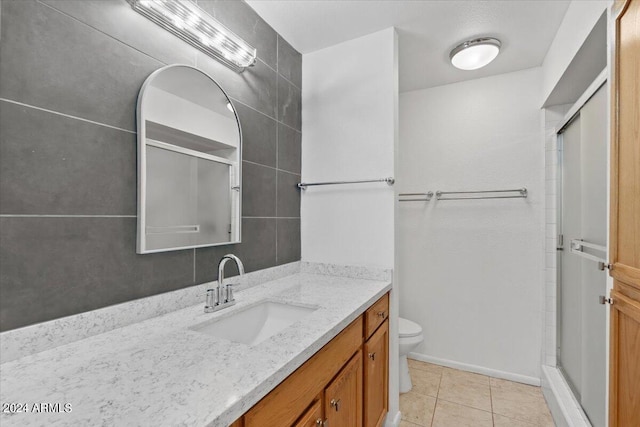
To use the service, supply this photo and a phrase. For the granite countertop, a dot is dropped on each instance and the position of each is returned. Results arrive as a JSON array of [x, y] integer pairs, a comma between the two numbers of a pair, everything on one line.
[[159, 372]]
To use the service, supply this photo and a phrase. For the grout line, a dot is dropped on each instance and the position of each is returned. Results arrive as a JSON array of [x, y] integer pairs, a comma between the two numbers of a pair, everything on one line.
[[63, 216], [66, 115], [292, 83], [433, 416], [277, 98], [289, 81], [264, 62], [276, 236], [271, 167], [278, 37], [457, 403], [289, 172], [272, 217], [269, 67], [277, 69], [264, 114], [491, 411], [195, 60], [276, 156], [100, 31], [276, 241], [493, 421], [465, 405], [197, 51], [194, 265]]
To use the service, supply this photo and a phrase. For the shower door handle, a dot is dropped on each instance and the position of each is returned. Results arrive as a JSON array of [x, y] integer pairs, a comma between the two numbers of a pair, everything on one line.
[[577, 248]]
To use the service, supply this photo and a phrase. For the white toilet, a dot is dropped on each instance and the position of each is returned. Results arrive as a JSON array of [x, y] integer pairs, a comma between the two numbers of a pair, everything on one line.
[[410, 335]]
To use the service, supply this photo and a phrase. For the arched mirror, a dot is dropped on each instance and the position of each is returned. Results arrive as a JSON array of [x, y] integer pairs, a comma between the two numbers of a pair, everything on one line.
[[189, 161]]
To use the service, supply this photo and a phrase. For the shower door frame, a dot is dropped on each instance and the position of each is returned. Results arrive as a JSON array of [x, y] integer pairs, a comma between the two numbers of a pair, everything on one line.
[[569, 117]]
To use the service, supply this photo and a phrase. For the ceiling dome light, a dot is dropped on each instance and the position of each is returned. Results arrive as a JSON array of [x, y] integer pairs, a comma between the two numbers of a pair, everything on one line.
[[474, 54]]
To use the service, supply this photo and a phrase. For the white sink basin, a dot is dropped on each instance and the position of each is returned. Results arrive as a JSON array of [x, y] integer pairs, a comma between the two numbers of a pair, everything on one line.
[[256, 323]]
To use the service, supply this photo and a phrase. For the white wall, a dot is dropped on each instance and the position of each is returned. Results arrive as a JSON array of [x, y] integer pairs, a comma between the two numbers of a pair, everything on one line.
[[350, 132], [348, 125], [471, 271], [580, 18]]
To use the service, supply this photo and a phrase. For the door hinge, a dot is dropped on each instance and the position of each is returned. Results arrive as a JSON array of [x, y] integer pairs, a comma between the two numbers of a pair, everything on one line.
[[604, 300], [560, 242]]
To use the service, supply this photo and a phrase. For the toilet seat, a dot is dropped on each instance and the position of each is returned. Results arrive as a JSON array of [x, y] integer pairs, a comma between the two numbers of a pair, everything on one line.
[[407, 328]]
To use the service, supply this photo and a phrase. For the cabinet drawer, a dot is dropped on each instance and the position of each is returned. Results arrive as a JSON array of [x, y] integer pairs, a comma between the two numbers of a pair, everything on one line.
[[289, 400], [375, 315], [312, 417]]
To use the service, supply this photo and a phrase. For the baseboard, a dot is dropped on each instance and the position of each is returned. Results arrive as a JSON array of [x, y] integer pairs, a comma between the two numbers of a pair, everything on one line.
[[477, 369], [393, 421], [565, 409]]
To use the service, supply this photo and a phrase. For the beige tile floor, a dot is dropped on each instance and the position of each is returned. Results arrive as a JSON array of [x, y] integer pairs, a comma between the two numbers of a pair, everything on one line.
[[444, 397]]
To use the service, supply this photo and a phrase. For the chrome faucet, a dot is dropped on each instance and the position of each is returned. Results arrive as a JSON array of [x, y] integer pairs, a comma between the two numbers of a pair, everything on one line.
[[222, 295]]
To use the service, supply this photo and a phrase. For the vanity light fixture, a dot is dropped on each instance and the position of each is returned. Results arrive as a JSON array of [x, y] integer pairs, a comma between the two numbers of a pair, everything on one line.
[[474, 54], [195, 26]]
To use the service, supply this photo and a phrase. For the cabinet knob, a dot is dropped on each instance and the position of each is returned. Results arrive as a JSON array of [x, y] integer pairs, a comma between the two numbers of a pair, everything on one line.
[[382, 314], [372, 356], [336, 404], [319, 422]]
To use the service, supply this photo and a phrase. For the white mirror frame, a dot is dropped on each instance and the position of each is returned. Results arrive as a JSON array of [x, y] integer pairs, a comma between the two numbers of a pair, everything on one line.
[[142, 169]]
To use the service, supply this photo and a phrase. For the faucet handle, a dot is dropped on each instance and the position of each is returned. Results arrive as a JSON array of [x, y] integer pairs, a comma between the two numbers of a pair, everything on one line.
[[229, 292], [212, 300]]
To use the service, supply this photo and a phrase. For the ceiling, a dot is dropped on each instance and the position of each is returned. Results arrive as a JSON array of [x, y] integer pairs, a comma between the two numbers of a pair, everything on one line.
[[428, 30]]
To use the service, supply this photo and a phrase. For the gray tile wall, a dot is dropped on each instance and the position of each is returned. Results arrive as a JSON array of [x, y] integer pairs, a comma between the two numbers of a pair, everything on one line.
[[70, 72]]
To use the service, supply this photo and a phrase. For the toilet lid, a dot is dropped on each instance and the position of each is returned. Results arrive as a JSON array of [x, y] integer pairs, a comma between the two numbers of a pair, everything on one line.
[[407, 328]]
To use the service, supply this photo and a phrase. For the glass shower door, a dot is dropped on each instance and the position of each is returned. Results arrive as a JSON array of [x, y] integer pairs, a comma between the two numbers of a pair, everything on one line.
[[583, 199]]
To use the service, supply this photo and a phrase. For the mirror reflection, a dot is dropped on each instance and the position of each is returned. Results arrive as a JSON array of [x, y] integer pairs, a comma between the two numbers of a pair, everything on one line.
[[189, 146]]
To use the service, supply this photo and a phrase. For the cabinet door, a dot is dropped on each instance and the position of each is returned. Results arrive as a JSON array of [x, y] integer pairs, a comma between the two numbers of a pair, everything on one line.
[[343, 397], [624, 388], [625, 350], [376, 377], [312, 416]]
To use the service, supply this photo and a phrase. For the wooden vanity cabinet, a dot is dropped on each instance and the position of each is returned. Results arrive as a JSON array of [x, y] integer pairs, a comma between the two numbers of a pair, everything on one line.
[[345, 384]]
